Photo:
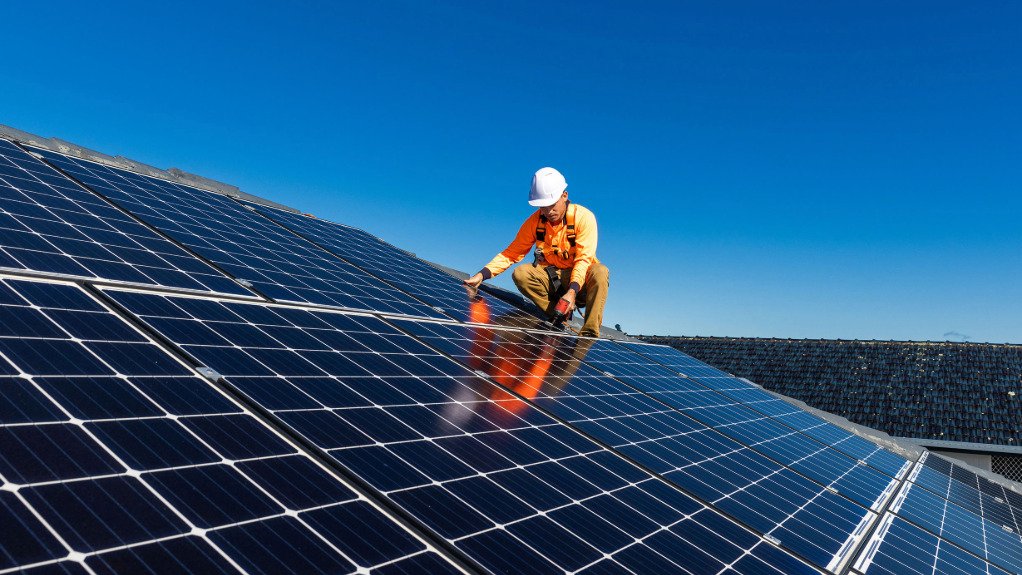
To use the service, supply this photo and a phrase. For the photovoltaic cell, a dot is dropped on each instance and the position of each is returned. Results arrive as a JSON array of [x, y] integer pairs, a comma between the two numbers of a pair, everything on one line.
[[901, 548], [508, 486], [748, 423], [970, 490], [997, 543], [50, 224], [118, 456], [759, 400], [409, 273], [553, 372], [248, 246]]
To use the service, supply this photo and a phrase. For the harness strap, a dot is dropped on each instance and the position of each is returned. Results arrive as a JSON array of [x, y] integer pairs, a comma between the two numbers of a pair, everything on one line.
[[541, 230]]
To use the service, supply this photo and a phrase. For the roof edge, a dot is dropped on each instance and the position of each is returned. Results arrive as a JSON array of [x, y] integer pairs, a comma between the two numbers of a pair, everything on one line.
[[174, 175], [834, 340], [970, 446]]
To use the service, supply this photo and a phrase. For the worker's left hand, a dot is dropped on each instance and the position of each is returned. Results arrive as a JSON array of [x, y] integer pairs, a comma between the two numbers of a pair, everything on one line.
[[569, 296]]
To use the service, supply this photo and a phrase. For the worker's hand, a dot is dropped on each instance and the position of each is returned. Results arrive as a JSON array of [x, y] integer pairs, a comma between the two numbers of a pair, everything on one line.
[[569, 296], [474, 281]]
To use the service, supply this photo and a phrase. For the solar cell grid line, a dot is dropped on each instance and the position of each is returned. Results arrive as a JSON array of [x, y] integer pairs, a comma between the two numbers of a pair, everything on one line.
[[995, 508], [743, 423], [512, 488], [52, 225], [941, 474], [409, 273], [972, 532], [115, 457], [757, 399], [899, 548], [276, 262], [803, 516]]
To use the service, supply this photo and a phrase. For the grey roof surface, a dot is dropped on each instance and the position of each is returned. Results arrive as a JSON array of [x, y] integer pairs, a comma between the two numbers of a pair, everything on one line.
[[935, 391]]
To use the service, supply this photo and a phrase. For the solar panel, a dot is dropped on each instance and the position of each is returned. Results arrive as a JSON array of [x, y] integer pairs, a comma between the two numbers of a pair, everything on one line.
[[983, 524], [898, 547], [508, 486], [947, 520], [117, 457], [759, 400], [970, 490], [411, 274], [273, 260], [52, 225], [802, 516]]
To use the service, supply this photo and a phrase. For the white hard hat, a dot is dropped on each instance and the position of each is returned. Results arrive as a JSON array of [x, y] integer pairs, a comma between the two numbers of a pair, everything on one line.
[[547, 186]]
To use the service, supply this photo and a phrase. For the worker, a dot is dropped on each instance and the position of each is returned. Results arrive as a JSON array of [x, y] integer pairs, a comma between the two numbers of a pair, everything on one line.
[[565, 270]]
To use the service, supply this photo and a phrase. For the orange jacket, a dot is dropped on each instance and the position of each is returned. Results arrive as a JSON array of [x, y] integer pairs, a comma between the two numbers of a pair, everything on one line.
[[555, 245]]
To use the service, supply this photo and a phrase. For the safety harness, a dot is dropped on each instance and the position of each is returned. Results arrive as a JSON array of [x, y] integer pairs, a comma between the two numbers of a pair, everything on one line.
[[553, 272]]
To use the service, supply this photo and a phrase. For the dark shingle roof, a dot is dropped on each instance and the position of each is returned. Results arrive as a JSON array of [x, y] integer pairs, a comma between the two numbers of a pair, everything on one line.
[[948, 391]]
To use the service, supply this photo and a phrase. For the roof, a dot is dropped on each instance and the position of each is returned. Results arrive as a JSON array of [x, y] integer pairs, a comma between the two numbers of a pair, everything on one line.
[[940, 391]]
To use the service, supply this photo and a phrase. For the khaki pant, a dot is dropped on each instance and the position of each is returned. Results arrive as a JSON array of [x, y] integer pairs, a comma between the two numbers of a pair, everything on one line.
[[534, 283]]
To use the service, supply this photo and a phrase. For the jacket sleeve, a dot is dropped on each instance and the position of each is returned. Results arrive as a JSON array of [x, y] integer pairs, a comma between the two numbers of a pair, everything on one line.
[[585, 247], [518, 249]]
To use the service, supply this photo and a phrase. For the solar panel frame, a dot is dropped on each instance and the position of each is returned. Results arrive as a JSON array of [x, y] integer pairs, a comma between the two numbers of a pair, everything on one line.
[[121, 478], [426, 488], [55, 226], [275, 262]]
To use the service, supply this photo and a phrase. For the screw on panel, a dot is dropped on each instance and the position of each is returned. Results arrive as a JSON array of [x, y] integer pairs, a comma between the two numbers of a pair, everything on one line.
[[245, 283], [772, 539], [246, 206], [209, 373]]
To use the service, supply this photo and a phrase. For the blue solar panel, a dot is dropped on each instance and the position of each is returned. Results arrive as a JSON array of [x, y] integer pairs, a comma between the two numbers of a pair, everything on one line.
[[508, 486], [757, 399], [900, 548], [50, 224], [808, 518], [275, 261], [117, 456], [407, 272], [978, 533], [970, 490]]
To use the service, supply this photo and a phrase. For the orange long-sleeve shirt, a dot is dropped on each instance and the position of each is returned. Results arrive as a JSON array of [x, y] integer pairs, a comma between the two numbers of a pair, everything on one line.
[[555, 245]]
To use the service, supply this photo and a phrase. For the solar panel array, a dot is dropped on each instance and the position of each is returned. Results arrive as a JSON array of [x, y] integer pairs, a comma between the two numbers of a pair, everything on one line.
[[411, 274], [192, 383]]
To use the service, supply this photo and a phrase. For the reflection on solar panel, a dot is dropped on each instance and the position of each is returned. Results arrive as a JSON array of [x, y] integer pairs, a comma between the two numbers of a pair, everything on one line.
[[409, 273], [745, 480], [756, 399], [246, 245], [508, 486], [145, 429], [118, 457], [50, 224]]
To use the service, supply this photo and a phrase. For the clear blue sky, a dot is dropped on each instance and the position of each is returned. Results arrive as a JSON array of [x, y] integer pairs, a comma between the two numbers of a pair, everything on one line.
[[788, 169]]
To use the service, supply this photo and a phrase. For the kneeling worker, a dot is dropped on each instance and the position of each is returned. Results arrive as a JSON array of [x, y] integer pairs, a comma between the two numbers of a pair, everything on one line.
[[565, 267]]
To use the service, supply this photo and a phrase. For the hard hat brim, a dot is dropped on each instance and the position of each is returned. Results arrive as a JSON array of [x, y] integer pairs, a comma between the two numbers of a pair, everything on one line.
[[544, 202]]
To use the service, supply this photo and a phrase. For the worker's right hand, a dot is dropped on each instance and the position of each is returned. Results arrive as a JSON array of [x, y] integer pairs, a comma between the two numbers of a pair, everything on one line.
[[474, 281]]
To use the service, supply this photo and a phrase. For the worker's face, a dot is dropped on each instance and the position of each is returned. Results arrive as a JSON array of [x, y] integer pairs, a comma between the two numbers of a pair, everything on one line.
[[555, 212]]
